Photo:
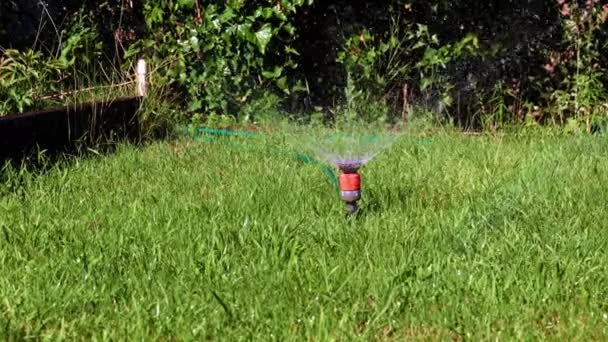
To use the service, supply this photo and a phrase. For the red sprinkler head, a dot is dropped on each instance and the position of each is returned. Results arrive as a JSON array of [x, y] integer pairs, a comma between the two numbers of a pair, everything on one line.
[[350, 190]]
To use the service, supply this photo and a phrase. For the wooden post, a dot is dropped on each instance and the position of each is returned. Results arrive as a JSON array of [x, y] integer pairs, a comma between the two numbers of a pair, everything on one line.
[[142, 87], [405, 103]]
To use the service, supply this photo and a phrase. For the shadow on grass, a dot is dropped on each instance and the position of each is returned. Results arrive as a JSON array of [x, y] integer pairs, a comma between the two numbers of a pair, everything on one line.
[[16, 172], [67, 130]]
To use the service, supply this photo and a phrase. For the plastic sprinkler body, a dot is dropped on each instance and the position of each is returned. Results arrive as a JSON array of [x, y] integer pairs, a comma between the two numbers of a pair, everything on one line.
[[350, 190]]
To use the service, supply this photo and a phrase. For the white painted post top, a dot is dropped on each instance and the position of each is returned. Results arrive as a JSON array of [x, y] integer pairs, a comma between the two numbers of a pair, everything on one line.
[[141, 78]]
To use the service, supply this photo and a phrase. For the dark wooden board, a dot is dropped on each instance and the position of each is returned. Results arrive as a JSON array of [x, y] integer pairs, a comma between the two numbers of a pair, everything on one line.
[[64, 130]]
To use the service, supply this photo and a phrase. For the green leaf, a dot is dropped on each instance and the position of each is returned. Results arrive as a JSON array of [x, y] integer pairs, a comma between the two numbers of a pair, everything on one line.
[[227, 15], [263, 36], [244, 31], [273, 74], [282, 84], [265, 13], [195, 105], [187, 4], [155, 16], [290, 50]]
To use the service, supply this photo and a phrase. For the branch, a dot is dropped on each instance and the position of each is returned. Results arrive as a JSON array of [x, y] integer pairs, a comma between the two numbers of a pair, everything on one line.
[[68, 93], [198, 19]]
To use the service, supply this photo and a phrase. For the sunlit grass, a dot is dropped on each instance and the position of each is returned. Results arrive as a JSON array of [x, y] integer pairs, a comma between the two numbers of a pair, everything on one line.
[[461, 237]]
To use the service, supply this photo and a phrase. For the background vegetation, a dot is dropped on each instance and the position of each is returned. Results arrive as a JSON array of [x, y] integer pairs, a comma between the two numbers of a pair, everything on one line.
[[475, 64]]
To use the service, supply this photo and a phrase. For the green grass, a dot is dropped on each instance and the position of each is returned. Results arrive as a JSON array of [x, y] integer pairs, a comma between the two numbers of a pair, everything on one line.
[[462, 238]]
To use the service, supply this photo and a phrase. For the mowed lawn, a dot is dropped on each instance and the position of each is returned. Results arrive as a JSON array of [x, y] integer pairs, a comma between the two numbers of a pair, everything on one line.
[[460, 238]]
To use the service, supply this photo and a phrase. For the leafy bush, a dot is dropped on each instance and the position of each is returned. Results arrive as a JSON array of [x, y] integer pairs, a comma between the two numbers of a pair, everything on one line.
[[483, 64], [579, 98], [24, 77], [220, 55], [29, 79], [387, 68]]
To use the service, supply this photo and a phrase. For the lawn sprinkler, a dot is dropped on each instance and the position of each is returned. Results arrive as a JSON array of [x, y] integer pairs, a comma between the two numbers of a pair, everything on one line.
[[350, 184], [348, 153]]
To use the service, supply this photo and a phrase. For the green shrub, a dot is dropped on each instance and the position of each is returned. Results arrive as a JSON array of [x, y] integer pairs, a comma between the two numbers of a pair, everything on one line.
[[220, 55], [30, 79], [579, 97], [379, 67], [24, 76]]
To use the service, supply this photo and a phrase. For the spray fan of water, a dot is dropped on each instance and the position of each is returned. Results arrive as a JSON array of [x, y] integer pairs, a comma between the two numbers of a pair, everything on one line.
[[349, 152], [348, 149]]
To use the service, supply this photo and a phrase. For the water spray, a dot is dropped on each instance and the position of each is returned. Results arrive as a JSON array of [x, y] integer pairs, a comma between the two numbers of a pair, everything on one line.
[[345, 152]]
